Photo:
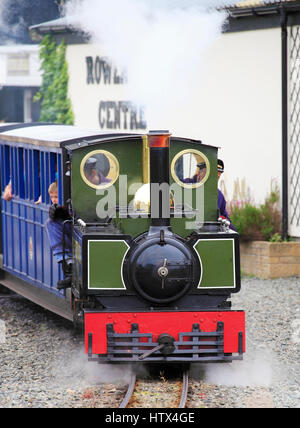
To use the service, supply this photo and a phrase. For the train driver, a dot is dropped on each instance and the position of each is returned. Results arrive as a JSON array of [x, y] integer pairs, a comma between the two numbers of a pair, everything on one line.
[[221, 199], [200, 174]]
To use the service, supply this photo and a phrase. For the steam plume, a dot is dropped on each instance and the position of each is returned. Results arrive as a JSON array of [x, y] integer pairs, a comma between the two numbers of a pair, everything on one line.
[[160, 43]]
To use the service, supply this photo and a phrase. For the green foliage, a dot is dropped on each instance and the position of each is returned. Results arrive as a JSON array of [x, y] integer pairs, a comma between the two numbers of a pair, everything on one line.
[[276, 238], [55, 104], [262, 222]]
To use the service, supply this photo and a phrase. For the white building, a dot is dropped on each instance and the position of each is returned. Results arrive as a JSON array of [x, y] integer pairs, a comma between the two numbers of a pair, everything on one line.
[[249, 104], [20, 79]]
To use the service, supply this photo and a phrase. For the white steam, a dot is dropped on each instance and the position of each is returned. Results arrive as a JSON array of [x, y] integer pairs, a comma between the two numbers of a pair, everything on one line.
[[78, 371], [160, 43], [254, 370]]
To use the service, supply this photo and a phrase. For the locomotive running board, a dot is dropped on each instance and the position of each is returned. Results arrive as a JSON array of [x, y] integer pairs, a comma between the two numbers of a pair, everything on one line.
[[194, 346]]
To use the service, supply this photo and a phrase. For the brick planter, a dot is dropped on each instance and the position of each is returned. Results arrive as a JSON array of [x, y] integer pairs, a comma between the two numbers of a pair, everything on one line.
[[270, 259]]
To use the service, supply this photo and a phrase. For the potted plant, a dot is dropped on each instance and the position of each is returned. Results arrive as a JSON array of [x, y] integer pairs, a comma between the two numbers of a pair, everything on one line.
[[263, 252]]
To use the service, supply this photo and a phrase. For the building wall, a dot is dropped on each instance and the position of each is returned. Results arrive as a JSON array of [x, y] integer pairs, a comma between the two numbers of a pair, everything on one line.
[[241, 112], [20, 65], [294, 131], [98, 91], [235, 104], [20, 79]]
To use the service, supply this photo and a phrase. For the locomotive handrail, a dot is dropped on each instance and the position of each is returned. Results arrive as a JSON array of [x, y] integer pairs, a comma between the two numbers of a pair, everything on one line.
[[64, 244]]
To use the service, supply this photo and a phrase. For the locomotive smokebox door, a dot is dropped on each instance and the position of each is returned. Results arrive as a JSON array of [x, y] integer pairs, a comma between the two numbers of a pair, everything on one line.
[[163, 272]]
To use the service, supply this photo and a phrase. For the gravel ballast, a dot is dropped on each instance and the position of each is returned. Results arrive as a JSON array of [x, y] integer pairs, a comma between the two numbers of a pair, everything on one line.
[[43, 363]]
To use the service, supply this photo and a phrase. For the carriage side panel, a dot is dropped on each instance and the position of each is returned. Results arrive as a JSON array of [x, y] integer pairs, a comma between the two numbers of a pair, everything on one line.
[[26, 250]]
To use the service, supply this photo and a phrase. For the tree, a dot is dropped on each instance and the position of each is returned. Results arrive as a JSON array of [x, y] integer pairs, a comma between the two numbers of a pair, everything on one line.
[[55, 104]]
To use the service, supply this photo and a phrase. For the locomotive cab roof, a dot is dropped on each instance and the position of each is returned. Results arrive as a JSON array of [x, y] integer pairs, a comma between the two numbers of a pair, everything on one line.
[[69, 136]]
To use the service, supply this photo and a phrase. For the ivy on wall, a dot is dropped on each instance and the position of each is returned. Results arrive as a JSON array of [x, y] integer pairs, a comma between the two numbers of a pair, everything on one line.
[[55, 104]]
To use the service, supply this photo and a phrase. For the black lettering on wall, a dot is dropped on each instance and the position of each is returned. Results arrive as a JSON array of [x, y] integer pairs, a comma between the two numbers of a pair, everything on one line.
[[89, 63], [97, 70], [124, 108], [117, 122], [102, 114], [109, 114], [121, 114], [107, 72], [142, 122], [133, 119], [100, 71]]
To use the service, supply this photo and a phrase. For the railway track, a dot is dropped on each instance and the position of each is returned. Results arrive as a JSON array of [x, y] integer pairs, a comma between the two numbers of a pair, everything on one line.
[[129, 392], [129, 400], [6, 296]]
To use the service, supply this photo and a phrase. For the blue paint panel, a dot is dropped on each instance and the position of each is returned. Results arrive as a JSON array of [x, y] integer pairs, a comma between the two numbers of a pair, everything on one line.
[[15, 236], [4, 234], [47, 259], [30, 174], [47, 176], [36, 175], [21, 172], [7, 221], [2, 167], [30, 242], [39, 242], [59, 179], [13, 169], [23, 240], [26, 248], [26, 174], [52, 167], [6, 165], [42, 177]]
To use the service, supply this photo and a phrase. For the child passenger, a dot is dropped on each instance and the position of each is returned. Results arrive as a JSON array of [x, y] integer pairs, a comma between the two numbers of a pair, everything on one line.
[[54, 227]]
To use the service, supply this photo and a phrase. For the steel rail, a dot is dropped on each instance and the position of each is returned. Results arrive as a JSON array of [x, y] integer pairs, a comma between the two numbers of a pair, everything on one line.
[[6, 296], [129, 392], [184, 391]]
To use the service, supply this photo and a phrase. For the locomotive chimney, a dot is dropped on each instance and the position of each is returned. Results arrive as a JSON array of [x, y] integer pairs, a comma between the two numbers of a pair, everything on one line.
[[159, 142]]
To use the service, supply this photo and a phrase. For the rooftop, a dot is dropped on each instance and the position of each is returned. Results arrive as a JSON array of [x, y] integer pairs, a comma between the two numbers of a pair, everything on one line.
[[238, 9]]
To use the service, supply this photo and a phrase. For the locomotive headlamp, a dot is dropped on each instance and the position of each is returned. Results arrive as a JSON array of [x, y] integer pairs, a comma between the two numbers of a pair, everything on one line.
[[141, 201]]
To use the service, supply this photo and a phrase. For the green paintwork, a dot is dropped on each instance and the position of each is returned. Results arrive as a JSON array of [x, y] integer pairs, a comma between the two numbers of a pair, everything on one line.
[[130, 156], [183, 226], [105, 263], [217, 259]]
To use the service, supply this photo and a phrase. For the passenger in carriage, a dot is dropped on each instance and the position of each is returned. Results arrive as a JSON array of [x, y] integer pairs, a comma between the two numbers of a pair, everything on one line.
[[55, 230], [7, 193]]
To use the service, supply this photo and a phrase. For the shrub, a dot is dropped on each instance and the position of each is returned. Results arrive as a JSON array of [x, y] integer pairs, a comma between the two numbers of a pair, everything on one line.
[[55, 104], [262, 222]]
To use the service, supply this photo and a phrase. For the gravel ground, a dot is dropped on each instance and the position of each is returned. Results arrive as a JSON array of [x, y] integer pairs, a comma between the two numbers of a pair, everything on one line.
[[43, 363]]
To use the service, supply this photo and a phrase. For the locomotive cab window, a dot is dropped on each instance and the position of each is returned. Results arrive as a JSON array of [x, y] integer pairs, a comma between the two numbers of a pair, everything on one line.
[[190, 168], [99, 169]]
